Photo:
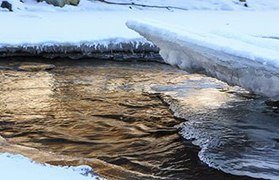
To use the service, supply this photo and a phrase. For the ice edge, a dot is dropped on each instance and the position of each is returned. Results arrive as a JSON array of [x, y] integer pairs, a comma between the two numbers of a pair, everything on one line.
[[262, 79]]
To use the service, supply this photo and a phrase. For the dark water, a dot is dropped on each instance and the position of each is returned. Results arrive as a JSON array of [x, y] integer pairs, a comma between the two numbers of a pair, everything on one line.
[[238, 132], [114, 112]]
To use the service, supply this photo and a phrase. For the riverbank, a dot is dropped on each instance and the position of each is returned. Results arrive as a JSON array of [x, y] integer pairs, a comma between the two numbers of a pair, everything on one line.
[[88, 34], [98, 30]]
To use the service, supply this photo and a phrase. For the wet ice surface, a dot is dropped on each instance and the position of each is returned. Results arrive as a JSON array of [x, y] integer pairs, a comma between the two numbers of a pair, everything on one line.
[[116, 113]]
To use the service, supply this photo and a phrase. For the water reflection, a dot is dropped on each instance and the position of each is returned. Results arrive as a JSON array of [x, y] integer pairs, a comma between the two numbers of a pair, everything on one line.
[[25, 92], [102, 110]]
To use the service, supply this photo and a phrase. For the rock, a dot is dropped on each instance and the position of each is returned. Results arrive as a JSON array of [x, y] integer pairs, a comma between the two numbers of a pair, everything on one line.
[[7, 5], [245, 2], [73, 2], [272, 103], [61, 3], [36, 67]]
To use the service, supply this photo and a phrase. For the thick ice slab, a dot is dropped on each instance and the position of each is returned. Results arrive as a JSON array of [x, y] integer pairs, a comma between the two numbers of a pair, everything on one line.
[[117, 49], [255, 71]]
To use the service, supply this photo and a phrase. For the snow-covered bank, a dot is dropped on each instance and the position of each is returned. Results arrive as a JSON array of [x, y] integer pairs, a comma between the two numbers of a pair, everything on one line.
[[249, 60], [94, 27], [88, 34], [27, 170]]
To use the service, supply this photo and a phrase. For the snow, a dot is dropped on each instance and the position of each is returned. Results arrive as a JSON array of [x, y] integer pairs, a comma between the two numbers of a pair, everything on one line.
[[86, 5], [34, 28], [90, 24], [244, 34], [239, 48], [209, 4], [87, 32], [14, 167], [92, 21]]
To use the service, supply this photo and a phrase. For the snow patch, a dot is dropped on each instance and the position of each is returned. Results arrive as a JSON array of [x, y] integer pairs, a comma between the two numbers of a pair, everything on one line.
[[14, 167]]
